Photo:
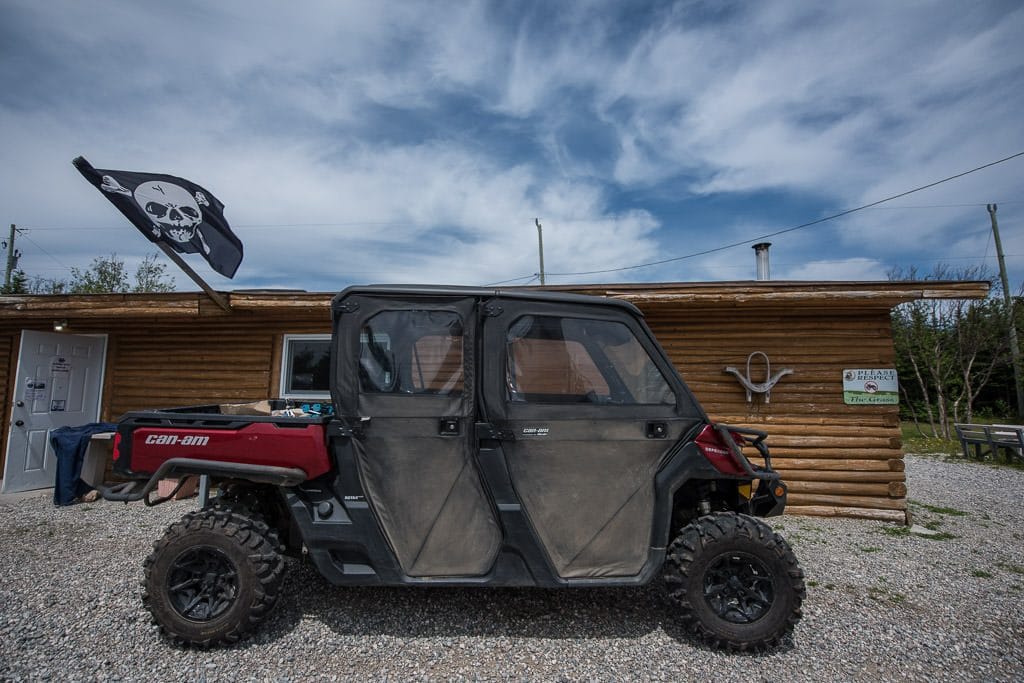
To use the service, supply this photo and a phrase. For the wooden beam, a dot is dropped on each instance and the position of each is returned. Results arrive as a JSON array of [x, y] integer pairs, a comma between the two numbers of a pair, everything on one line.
[[210, 292], [897, 516]]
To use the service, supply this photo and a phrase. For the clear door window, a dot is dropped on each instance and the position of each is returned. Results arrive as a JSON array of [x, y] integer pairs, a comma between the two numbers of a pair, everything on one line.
[[412, 352], [573, 360]]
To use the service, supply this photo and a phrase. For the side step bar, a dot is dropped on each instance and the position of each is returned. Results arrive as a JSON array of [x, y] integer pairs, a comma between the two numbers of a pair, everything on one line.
[[177, 467]]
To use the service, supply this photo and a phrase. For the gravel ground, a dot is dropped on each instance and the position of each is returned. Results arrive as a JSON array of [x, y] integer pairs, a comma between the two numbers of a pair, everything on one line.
[[880, 606]]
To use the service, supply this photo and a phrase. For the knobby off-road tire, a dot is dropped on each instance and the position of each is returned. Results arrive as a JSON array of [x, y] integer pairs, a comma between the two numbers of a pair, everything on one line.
[[212, 577], [735, 583]]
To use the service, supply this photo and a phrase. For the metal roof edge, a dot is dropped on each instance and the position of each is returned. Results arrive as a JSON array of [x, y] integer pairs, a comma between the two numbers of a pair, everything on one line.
[[875, 293]]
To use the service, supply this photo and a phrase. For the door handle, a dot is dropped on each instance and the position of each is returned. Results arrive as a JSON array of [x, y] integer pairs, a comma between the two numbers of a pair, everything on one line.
[[657, 430], [19, 423], [448, 426], [20, 404]]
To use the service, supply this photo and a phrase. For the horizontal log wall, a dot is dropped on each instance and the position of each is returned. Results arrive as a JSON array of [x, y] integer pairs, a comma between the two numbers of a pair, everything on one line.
[[165, 362], [837, 459]]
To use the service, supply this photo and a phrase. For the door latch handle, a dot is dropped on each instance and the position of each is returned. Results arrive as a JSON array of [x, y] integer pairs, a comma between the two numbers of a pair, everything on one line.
[[19, 423], [448, 426], [657, 430]]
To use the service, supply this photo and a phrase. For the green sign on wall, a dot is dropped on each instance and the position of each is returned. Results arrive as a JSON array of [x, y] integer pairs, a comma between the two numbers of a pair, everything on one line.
[[870, 387]]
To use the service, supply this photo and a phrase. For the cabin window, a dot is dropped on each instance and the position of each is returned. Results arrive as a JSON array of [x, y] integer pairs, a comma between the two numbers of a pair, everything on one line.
[[306, 366], [573, 360]]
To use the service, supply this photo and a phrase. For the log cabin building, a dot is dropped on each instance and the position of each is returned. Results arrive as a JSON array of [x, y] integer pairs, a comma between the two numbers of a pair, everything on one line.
[[160, 350]]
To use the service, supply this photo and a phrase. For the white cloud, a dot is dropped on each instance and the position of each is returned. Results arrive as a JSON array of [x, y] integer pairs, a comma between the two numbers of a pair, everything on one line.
[[283, 112], [856, 268]]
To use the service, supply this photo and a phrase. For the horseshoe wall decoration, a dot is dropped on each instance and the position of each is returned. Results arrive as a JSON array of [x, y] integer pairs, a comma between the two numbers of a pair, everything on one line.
[[764, 387]]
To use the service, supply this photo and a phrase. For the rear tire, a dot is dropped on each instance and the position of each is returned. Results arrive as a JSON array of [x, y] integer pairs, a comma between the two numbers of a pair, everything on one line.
[[736, 583], [212, 577]]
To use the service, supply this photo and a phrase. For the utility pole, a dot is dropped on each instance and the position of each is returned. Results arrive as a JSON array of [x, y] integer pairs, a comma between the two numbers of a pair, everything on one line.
[[1014, 345], [12, 257], [540, 248]]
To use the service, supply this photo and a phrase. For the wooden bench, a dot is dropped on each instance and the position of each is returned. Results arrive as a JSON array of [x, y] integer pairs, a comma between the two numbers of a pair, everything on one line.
[[989, 439]]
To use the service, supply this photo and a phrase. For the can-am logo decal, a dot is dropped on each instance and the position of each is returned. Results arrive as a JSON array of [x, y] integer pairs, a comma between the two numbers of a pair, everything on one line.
[[535, 431], [176, 440]]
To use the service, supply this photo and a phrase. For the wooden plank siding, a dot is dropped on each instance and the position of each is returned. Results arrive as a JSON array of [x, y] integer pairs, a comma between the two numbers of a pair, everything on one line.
[[177, 349], [834, 457], [155, 362]]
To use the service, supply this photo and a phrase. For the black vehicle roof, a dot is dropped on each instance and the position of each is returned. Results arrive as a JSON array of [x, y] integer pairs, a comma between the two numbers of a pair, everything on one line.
[[483, 293]]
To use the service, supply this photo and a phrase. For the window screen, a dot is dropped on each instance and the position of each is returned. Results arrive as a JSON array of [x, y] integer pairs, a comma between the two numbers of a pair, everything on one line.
[[572, 360], [307, 366], [412, 352]]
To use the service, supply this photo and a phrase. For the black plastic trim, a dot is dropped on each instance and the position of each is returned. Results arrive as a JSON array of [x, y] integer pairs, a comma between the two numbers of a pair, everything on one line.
[[177, 467], [406, 291]]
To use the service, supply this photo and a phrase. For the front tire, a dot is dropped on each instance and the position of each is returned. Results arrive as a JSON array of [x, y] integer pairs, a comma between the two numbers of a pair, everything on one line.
[[212, 577], [736, 583]]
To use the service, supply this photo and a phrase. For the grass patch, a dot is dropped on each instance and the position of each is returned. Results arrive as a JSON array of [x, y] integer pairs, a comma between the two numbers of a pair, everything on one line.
[[812, 584], [937, 509], [1010, 567], [903, 532], [915, 442], [883, 594], [869, 549], [981, 574]]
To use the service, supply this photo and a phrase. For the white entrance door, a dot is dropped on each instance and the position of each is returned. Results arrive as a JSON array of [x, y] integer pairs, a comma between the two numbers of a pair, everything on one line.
[[58, 384]]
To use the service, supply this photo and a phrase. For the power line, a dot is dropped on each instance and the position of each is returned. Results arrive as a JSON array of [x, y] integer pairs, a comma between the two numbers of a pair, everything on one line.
[[40, 248], [795, 227], [531, 278], [937, 206]]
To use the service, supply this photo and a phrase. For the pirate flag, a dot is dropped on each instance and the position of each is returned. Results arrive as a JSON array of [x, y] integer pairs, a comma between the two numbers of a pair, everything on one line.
[[170, 210]]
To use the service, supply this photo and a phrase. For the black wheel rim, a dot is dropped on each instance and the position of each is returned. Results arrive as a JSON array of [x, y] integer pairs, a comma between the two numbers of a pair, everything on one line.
[[739, 588], [202, 584]]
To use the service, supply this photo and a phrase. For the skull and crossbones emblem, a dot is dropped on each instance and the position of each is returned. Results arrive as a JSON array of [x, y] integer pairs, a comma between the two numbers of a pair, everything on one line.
[[173, 211]]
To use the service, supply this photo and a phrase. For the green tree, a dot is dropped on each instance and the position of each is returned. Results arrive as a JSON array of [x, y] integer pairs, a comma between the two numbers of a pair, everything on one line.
[[108, 275], [19, 283], [948, 351], [151, 276], [103, 276]]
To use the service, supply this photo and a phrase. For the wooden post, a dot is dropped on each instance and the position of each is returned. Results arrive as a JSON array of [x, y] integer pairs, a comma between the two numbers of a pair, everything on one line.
[[1014, 344], [210, 292], [540, 248], [12, 258]]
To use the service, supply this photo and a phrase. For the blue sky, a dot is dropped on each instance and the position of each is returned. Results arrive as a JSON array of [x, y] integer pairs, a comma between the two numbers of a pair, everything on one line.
[[416, 142]]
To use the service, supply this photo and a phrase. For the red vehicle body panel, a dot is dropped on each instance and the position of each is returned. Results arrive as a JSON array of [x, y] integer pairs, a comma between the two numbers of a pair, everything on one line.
[[260, 443], [710, 443]]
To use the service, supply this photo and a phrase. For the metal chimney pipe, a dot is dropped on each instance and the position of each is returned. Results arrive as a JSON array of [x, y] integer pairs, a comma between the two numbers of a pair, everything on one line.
[[761, 254]]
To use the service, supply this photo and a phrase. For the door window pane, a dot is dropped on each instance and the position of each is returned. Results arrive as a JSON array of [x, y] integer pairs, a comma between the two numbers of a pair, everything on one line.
[[412, 352], [572, 360]]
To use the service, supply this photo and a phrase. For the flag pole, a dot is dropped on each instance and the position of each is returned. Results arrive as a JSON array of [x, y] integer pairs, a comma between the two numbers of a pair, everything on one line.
[[210, 292]]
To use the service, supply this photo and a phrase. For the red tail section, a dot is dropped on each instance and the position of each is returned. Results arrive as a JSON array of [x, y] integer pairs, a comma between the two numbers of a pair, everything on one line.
[[718, 453]]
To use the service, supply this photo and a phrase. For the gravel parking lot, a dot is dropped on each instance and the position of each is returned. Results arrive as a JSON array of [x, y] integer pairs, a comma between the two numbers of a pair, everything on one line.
[[882, 605]]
